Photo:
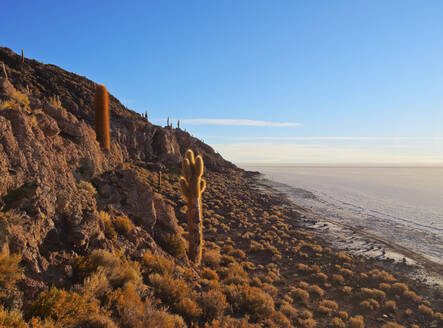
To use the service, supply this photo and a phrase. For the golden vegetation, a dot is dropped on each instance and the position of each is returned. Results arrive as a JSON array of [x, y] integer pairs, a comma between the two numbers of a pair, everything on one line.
[[10, 270], [277, 276]]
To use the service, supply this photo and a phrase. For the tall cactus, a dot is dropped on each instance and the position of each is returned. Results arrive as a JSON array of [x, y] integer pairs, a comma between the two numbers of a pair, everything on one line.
[[192, 186], [101, 104]]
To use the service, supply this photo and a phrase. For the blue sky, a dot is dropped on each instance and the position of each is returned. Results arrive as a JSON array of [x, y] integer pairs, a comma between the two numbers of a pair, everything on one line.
[[260, 81]]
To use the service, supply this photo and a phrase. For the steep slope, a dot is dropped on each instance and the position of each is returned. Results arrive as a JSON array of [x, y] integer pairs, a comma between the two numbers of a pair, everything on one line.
[[137, 138], [95, 239], [55, 179]]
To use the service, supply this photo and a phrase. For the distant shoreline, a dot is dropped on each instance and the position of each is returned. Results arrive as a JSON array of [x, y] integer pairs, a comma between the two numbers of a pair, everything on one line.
[[338, 165], [386, 252]]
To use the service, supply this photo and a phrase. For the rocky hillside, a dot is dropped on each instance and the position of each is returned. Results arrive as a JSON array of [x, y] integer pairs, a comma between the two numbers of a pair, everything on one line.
[[55, 180], [95, 239], [133, 137]]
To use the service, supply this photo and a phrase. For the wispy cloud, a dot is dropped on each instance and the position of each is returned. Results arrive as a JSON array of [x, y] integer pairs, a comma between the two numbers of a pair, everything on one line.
[[227, 121]]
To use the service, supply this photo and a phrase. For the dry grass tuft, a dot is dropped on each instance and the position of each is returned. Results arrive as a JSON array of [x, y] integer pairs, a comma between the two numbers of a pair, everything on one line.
[[356, 322], [124, 225], [212, 258], [10, 271], [157, 264], [213, 304]]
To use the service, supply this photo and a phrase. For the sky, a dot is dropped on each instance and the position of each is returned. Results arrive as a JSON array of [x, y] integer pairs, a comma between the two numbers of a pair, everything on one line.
[[260, 81]]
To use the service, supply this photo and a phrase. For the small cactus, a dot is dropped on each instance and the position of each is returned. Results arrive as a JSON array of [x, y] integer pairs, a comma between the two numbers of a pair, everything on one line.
[[192, 186], [101, 104]]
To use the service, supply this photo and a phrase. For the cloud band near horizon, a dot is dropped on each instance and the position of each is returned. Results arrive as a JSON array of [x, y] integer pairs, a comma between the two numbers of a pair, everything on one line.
[[325, 138], [236, 122]]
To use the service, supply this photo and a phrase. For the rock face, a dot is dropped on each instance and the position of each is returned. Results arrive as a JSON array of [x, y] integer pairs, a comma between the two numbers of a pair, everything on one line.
[[55, 179], [137, 138]]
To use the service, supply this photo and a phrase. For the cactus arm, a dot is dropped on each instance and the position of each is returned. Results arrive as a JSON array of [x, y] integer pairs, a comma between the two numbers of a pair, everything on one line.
[[199, 166], [202, 185]]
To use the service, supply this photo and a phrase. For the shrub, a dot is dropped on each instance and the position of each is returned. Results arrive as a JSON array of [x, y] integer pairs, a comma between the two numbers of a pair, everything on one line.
[[346, 272], [228, 322], [343, 256], [329, 304], [392, 325], [289, 311], [173, 244], [399, 288], [373, 293], [238, 253], [327, 307], [118, 270], [126, 272], [96, 321], [305, 319], [63, 307], [87, 186], [369, 305], [17, 100], [213, 304], [425, 310], [11, 319], [320, 276], [347, 290], [97, 284], [299, 294], [270, 289], [303, 267], [188, 309], [109, 228], [100, 257], [356, 322], [278, 320], [134, 313], [381, 275], [343, 315], [10, 270], [337, 323], [157, 263], [251, 300], [211, 258], [209, 274], [168, 289], [316, 290], [234, 273], [409, 294], [304, 285], [227, 259], [384, 286], [124, 225], [390, 305], [338, 278]]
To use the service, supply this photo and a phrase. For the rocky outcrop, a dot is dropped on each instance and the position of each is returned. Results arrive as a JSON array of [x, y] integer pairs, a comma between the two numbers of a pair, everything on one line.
[[137, 138], [55, 179]]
